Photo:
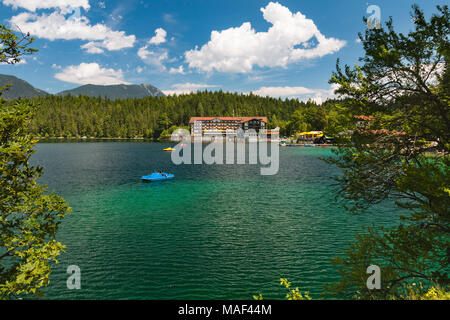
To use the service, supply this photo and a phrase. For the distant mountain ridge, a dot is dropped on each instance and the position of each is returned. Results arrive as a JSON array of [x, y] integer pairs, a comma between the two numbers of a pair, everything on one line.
[[120, 91], [19, 88], [22, 89]]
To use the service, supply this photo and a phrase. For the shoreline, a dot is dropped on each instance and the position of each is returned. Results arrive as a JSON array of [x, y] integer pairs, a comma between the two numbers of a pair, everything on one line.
[[92, 139]]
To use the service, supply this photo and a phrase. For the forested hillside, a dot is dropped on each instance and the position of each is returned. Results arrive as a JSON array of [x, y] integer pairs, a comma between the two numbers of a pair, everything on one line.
[[15, 88], [120, 91], [152, 117]]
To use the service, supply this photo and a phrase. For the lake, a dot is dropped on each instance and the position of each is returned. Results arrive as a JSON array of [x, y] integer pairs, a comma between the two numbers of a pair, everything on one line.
[[214, 232]]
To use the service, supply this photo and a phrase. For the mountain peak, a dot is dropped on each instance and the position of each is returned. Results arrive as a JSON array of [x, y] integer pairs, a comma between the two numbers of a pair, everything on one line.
[[22, 89], [19, 88], [118, 91]]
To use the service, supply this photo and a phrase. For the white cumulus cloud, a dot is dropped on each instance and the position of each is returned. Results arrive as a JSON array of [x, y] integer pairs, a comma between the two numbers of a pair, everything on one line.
[[301, 93], [92, 47], [160, 36], [91, 73], [179, 70], [33, 5], [186, 88], [283, 91], [291, 38], [55, 26], [154, 58]]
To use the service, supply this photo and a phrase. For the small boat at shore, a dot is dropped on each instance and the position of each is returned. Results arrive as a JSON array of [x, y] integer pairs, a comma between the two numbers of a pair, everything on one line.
[[168, 149], [158, 176]]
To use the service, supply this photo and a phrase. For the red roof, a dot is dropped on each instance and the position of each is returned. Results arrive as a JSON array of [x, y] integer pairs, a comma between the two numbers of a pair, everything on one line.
[[365, 118], [240, 119]]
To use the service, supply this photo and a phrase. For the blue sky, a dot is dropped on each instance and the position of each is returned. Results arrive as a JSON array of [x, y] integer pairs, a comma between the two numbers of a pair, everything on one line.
[[286, 48]]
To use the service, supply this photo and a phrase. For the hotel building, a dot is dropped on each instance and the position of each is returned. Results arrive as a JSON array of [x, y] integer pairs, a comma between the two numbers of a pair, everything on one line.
[[204, 126]]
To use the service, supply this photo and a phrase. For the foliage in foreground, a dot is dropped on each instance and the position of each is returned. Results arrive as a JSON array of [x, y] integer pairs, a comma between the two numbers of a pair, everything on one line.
[[402, 154], [292, 294], [432, 294], [29, 218], [14, 46]]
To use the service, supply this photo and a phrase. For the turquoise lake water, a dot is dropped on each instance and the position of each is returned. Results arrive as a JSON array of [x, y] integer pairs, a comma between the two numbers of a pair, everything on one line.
[[214, 232]]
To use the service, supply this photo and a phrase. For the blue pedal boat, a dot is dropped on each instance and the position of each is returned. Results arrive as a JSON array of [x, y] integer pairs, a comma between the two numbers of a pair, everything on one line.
[[158, 176]]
